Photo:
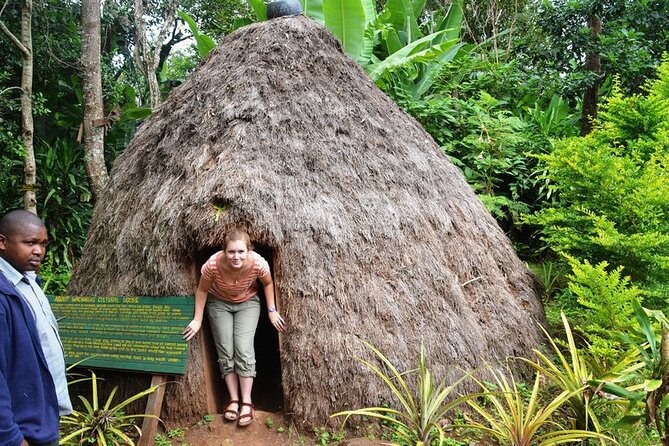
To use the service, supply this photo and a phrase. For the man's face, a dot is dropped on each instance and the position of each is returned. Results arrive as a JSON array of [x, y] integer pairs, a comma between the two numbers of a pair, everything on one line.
[[25, 248]]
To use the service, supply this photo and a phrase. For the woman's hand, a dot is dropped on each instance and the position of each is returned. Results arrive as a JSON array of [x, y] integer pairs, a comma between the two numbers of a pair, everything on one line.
[[192, 329], [276, 320]]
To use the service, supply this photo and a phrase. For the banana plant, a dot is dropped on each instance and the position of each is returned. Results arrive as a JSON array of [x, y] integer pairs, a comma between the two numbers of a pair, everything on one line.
[[204, 43], [387, 42], [348, 20]]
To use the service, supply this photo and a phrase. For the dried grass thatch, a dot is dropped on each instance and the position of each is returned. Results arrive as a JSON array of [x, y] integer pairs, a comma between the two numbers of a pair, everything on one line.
[[374, 233]]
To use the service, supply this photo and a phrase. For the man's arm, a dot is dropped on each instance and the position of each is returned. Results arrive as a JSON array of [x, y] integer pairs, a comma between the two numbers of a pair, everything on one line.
[[10, 434]]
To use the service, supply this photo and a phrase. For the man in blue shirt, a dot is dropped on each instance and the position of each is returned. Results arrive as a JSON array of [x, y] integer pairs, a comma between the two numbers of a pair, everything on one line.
[[33, 387]]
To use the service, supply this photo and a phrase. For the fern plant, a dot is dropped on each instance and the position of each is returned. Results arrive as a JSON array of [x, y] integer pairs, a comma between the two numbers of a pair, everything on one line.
[[599, 300]]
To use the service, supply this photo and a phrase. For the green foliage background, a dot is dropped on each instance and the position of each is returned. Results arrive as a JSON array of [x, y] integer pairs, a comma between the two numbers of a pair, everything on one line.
[[498, 85], [610, 189]]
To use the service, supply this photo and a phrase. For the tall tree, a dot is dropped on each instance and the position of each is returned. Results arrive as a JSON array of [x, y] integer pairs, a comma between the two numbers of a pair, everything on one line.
[[94, 121], [25, 47], [491, 23], [593, 63], [147, 58], [576, 45]]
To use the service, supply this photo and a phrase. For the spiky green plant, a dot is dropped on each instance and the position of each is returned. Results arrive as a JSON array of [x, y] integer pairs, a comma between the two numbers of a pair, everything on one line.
[[514, 421], [418, 419], [102, 425], [650, 381], [571, 372]]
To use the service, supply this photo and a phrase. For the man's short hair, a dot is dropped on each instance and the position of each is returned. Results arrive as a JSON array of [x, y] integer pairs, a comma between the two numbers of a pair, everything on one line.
[[13, 220]]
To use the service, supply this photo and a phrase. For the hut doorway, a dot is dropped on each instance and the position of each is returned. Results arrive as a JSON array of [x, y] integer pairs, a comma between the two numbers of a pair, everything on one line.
[[267, 390]]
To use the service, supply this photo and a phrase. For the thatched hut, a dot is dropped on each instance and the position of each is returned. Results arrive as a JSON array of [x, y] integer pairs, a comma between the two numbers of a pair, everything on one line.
[[370, 230]]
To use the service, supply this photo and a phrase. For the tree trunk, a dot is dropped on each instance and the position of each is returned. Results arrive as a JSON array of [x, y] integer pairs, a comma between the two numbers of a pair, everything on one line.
[[29, 169], [94, 123], [148, 59], [593, 63], [25, 46]]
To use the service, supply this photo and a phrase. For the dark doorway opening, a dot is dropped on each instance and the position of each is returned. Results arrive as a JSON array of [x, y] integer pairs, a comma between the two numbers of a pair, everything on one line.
[[267, 391]]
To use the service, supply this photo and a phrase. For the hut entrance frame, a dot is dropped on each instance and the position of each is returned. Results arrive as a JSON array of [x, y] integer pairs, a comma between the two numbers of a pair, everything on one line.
[[267, 388]]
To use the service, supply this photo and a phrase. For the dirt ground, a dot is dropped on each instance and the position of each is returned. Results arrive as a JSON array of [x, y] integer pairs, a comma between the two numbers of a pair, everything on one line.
[[267, 429]]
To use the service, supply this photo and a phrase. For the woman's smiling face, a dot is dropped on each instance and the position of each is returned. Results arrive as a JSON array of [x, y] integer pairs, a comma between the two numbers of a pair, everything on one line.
[[236, 252]]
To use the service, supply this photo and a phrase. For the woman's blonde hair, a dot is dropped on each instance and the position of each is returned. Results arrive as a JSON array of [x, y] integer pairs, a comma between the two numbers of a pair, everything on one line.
[[236, 235]]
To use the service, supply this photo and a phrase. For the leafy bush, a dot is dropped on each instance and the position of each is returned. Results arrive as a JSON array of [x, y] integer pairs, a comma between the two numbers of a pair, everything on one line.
[[610, 188], [55, 276], [64, 199], [11, 172], [600, 304], [490, 118], [647, 384], [490, 145]]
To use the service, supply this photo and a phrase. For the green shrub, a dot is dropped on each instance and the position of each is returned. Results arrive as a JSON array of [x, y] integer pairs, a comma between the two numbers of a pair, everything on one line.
[[55, 276], [489, 117], [514, 419], [611, 187], [645, 387], [101, 423], [64, 199], [490, 145], [600, 303], [64, 202]]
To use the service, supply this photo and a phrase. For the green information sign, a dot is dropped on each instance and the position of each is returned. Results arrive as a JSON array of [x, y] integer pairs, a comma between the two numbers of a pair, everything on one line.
[[128, 333]]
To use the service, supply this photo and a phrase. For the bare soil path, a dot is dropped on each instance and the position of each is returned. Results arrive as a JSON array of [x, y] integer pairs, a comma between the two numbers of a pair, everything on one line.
[[267, 429]]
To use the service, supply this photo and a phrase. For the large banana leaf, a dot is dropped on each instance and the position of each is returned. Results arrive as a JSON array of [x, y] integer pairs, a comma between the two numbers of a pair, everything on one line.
[[260, 8], [348, 19], [453, 21], [377, 26], [403, 18], [313, 9], [427, 76], [421, 50], [391, 41], [418, 6], [204, 43], [451, 26]]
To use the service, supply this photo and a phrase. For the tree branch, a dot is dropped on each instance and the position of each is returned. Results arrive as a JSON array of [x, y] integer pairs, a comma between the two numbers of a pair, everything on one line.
[[168, 21], [3, 7], [12, 38], [9, 89]]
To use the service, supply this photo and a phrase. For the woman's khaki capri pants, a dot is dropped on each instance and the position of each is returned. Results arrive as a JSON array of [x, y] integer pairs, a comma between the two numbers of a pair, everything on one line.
[[233, 327]]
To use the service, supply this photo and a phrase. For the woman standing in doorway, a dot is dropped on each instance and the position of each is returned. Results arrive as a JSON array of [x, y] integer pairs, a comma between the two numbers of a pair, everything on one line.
[[228, 289]]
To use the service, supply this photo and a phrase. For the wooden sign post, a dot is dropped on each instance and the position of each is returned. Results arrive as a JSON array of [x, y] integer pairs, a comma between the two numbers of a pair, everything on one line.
[[141, 334]]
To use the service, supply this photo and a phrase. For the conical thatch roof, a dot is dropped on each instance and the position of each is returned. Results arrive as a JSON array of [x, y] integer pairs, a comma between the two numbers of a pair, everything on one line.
[[374, 233]]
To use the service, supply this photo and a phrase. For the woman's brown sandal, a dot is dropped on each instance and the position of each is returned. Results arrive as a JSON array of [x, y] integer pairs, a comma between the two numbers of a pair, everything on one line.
[[229, 414], [247, 418]]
